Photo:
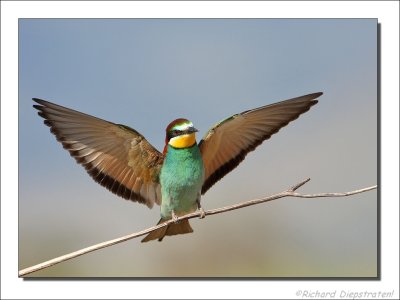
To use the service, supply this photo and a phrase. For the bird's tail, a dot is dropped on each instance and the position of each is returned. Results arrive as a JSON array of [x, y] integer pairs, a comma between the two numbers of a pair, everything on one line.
[[181, 227]]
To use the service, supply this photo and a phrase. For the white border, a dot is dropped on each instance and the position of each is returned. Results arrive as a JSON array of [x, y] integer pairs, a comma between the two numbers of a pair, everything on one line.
[[387, 14]]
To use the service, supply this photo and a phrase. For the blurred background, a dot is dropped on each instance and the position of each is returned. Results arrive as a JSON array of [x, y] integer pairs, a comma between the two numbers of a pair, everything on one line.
[[145, 73]]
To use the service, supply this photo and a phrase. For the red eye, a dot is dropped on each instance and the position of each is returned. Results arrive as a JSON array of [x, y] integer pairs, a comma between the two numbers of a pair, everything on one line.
[[175, 133]]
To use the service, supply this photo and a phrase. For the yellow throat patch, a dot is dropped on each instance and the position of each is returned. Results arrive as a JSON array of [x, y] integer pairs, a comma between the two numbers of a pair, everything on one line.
[[183, 141]]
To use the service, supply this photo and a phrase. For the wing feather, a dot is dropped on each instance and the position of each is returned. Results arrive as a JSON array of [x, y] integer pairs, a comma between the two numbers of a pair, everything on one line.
[[116, 156], [227, 143]]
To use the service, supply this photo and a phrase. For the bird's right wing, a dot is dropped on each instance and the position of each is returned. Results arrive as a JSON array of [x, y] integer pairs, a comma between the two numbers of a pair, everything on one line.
[[116, 156]]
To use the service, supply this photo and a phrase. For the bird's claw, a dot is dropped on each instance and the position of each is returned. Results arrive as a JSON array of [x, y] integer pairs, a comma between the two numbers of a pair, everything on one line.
[[174, 217], [202, 213]]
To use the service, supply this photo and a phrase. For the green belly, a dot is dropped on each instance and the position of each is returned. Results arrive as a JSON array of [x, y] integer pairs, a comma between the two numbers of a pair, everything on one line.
[[181, 180]]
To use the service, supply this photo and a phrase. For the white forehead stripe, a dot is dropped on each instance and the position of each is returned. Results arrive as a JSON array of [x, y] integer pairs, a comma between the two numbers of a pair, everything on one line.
[[183, 127]]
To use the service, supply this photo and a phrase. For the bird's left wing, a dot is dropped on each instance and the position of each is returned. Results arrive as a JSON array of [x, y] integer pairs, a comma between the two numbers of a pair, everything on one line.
[[227, 143], [116, 156]]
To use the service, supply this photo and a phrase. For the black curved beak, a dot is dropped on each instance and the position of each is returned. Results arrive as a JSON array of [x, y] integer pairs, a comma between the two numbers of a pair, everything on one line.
[[192, 130]]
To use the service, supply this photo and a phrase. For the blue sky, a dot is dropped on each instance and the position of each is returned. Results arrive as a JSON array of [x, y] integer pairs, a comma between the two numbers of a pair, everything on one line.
[[145, 73]]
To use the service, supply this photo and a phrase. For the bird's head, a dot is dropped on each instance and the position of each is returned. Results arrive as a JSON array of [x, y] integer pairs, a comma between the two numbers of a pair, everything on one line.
[[180, 133]]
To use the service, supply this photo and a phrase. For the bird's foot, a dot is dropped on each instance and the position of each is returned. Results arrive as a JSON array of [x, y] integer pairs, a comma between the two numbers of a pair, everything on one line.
[[200, 208], [202, 213], [174, 217]]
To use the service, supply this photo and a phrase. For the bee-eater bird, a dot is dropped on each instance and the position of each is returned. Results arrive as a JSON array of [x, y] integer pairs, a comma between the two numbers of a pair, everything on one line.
[[122, 160]]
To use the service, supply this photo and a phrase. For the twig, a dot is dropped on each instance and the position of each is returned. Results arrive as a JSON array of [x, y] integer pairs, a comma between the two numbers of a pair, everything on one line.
[[290, 192]]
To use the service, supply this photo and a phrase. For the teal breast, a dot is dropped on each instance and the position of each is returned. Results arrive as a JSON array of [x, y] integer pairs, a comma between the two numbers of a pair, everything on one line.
[[181, 180]]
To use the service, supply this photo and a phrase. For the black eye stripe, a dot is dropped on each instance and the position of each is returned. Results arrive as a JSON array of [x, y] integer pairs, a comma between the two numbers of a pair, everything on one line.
[[175, 133]]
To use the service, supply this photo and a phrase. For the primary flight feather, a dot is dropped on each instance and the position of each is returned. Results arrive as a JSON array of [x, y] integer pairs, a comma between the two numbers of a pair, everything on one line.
[[122, 160]]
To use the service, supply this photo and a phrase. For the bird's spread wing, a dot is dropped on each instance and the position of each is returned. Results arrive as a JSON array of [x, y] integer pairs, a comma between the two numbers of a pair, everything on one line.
[[227, 143], [116, 156]]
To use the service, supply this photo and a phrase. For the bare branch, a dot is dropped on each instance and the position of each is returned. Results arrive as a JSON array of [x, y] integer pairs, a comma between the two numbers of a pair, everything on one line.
[[288, 193], [295, 187]]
